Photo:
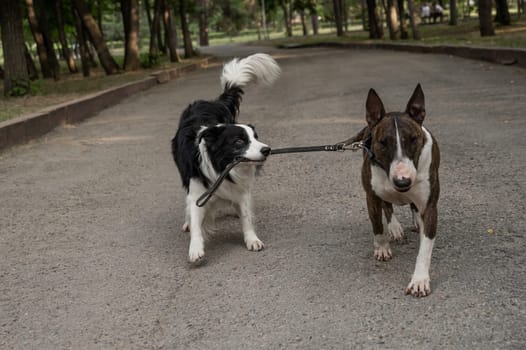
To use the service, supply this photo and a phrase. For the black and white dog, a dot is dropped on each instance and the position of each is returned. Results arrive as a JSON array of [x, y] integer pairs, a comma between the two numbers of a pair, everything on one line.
[[208, 140], [401, 167]]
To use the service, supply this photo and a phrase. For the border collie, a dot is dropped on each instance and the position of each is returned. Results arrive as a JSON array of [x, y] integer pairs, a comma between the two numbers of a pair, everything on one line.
[[208, 140]]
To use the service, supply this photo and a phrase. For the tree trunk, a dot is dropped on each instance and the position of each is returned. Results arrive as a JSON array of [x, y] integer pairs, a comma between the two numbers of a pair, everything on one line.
[[170, 33], [95, 36], [203, 22], [83, 47], [16, 79], [338, 17], [412, 19], [130, 19], [345, 14], [453, 13], [364, 14], [66, 52], [303, 23], [48, 42], [503, 13], [375, 30], [391, 16], [486, 23], [148, 13], [31, 67], [45, 65], [188, 49], [154, 31], [401, 14], [315, 23], [286, 16], [99, 14]]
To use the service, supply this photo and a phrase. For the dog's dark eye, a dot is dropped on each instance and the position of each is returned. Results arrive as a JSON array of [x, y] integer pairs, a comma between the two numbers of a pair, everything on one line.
[[239, 142], [382, 142]]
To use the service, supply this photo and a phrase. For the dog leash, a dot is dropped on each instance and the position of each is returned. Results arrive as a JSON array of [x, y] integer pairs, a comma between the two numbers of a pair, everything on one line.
[[338, 147]]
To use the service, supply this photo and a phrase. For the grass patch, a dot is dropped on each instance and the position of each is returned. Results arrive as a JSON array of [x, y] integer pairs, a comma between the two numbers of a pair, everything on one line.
[[71, 86]]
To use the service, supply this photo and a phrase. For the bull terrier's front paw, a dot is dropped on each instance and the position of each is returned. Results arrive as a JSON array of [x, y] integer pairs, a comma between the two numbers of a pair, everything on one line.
[[395, 230], [419, 287], [382, 253], [254, 245]]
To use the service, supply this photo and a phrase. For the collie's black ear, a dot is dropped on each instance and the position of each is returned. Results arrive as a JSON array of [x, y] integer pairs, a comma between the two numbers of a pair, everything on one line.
[[211, 133], [416, 106], [374, 109]]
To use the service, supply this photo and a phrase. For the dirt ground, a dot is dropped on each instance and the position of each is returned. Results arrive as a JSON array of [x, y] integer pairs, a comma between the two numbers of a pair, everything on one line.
[[92, 257]]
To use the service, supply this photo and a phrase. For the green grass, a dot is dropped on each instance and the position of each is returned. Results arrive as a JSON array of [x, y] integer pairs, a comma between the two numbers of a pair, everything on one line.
[[71, 86]]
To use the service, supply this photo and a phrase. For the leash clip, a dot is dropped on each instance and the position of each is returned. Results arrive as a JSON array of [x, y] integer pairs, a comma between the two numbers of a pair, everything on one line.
[[355, 146]]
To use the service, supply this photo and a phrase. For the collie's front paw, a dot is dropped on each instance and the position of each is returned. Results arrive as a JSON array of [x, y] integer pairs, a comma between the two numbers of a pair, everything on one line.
[[254, 245], [419, 287], [196, 253]]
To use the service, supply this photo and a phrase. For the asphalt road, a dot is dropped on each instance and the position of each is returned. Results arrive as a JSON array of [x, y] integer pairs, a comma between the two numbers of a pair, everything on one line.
[[92, 257]]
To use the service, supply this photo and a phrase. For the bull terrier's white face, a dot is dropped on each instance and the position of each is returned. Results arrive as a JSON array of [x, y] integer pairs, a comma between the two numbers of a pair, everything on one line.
[[397, 138]]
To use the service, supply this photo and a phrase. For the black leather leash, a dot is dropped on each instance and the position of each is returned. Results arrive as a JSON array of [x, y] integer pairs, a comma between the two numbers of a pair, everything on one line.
[[339, 147]]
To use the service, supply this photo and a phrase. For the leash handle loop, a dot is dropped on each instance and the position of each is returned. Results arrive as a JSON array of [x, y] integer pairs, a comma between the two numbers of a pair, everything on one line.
[[205, 197]]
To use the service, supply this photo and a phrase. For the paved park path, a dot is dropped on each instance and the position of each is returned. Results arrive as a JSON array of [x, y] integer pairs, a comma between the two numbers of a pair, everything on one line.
[[92, 257]]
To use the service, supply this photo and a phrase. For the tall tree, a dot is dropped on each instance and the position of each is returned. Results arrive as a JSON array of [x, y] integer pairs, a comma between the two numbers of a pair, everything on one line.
[[31, 67], [202, 18], [364, 14], [170, 33], [503, 13], [81, 39], [412, 19], [16, 79], [155, 30], [391, 16], [66, 52], [287, 15], [403, 22], [43, 12], [96, 38], [130, 19], [375, 29], [146, 4], [485, 20], [453, 13], [187, 39], [338, 16], [46, 65], [300, 7]]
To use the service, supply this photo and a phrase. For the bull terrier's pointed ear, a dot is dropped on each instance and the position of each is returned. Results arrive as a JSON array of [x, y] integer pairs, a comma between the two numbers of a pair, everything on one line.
[[416, 106], [374, 109]]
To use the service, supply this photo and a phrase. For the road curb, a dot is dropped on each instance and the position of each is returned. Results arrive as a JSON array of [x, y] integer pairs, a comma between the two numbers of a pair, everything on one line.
[[28, 127], [506, 56]]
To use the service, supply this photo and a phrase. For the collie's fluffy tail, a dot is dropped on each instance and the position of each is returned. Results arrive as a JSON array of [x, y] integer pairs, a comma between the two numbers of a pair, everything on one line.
[[260, 67]]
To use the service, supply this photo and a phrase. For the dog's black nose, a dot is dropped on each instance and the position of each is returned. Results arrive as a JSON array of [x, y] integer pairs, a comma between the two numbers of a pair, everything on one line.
[[402, 184], [265, 151]]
